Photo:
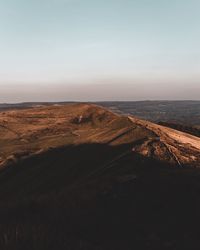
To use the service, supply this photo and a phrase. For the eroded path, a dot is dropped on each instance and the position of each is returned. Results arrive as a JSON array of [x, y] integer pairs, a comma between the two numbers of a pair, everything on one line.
[[183, 147]]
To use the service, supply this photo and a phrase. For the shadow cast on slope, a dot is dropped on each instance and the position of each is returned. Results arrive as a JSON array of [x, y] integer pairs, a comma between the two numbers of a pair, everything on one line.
[[95, 196]]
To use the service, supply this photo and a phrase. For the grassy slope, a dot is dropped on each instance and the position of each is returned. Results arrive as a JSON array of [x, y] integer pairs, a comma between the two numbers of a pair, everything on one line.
[[94, 193]]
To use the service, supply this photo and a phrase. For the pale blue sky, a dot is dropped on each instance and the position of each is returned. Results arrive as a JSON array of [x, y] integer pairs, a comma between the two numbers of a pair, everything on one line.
[[138, 49]]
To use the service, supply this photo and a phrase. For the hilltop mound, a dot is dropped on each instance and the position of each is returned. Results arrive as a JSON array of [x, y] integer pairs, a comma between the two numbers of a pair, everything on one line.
[[31, 131]]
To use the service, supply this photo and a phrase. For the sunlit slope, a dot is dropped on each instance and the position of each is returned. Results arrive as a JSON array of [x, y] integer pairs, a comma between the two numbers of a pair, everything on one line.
[[183, 148], [27, 132]]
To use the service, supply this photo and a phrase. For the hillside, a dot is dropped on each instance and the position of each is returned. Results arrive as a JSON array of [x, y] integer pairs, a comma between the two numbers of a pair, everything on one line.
[[33, 131], [78, 176]]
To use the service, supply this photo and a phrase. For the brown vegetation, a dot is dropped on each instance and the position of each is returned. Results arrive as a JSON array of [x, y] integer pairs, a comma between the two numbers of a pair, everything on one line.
[[80, 177]]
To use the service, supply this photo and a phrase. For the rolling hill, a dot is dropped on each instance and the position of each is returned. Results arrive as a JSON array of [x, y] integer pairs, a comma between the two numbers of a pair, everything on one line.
[[78, 176]]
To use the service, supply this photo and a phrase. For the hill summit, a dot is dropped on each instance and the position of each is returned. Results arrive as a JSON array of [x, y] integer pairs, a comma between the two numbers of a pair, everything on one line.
[[33, 131]]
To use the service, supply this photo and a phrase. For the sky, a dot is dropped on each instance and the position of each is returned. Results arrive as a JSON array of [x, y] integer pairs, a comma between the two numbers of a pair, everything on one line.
[[92, 50]]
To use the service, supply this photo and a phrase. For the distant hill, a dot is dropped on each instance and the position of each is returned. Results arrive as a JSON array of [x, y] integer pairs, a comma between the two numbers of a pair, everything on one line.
[[182, 112]]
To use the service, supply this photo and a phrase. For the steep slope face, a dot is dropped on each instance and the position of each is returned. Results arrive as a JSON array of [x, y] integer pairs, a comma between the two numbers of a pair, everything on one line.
[[183, 148]]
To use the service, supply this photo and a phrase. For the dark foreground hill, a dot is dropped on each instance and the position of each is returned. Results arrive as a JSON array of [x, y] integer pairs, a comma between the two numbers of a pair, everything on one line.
[[80, 177]]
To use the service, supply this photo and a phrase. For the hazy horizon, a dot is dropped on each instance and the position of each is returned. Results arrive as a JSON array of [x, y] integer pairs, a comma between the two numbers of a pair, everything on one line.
[[96, 92], [75, 50]]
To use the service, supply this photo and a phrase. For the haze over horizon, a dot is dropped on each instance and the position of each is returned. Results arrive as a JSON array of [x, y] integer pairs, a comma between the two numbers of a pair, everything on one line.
[[88, 50]]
